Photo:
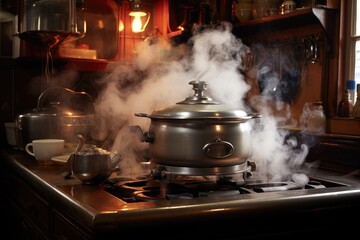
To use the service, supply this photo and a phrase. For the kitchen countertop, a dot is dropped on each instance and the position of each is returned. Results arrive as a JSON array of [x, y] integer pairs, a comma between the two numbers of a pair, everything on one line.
[[102, 213]]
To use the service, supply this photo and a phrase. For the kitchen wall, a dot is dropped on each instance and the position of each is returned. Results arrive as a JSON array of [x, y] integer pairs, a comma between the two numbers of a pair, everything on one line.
[[22, 78]]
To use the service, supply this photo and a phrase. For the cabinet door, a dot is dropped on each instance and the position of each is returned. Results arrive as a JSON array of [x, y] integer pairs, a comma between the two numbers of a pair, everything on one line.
[[31, 205], [22, 227], [64, 229]]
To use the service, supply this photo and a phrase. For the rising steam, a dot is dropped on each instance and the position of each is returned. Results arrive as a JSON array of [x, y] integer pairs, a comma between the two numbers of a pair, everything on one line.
[[159, 77]]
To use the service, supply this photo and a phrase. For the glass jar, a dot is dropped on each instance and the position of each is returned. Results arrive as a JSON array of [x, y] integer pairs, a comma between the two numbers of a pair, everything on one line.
[[313, 118]]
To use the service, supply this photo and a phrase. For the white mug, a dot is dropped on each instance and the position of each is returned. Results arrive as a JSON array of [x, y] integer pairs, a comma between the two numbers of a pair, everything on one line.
[[44, 149]]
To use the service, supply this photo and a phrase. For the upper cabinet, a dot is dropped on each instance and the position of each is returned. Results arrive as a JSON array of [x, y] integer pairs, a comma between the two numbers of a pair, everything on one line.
[[325, 17], [81, 29], [101, 30]]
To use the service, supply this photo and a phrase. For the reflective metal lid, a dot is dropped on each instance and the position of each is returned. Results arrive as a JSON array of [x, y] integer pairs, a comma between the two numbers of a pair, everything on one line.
[[200, 106]]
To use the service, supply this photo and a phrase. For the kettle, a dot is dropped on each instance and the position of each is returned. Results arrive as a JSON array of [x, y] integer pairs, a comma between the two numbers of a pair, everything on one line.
[[55, 119]]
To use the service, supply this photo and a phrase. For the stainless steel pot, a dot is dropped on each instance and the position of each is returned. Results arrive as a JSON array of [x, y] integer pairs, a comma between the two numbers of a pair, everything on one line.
[[198, 133], [53, 119]]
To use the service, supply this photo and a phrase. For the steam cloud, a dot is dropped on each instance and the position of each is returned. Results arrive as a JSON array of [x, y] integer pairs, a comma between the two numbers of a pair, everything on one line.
[[159, 77]]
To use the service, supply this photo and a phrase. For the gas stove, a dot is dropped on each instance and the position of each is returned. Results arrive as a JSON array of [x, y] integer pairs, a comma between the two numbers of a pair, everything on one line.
[[231, 207], [162, 185], [241, 202]]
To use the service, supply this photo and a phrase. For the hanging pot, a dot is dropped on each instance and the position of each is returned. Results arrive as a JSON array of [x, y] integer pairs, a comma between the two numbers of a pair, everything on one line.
[[53, 119], [198, 133]]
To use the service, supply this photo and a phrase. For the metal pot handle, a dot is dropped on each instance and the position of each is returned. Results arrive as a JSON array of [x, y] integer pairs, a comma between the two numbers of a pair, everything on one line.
[[40, 103], [142, 115], [218, 149], [143, 136]]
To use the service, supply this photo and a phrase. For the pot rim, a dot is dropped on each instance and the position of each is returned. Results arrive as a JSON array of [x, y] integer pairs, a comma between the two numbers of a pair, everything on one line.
[[54, 114], [200, 112]]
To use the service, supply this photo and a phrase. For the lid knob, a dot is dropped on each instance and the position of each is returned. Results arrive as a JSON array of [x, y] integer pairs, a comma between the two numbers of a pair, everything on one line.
[[199, 96]]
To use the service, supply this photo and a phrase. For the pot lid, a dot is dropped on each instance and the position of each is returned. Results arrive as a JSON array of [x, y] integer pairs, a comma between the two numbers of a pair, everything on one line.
[[200, 106], [55, 110]]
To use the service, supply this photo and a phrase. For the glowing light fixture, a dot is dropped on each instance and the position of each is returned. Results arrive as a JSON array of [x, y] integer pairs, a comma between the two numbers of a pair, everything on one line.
[[140, 18]]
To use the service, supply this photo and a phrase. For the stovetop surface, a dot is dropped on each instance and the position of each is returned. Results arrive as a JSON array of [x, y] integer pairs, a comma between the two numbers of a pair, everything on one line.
[[148, 189]]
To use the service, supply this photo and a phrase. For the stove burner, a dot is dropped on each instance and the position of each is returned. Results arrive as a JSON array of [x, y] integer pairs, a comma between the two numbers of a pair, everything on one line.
[[191, 187]]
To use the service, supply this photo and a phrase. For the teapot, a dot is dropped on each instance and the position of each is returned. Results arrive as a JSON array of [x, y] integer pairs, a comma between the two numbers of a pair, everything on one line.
[[94, 165]]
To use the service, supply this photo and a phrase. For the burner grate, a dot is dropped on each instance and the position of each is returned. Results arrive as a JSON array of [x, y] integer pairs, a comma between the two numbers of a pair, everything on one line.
[[147, 188]]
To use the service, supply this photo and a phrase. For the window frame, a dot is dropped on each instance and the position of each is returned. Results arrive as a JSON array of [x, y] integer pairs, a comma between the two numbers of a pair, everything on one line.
[[351, 39], [343, 59]]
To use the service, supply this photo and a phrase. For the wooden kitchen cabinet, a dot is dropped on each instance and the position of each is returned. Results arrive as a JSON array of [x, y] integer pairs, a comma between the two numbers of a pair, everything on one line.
[[34, 207], [329, 71], [100, 40], [29, 212], [63, 229], [308, 30], [299, 18], [22, 226], [30, 215]]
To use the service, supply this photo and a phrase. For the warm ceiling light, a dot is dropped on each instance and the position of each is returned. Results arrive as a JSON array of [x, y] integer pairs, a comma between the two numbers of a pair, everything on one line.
[[140, 18]]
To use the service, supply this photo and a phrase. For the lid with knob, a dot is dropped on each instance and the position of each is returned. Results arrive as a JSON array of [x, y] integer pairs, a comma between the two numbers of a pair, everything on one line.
[[200, 106]]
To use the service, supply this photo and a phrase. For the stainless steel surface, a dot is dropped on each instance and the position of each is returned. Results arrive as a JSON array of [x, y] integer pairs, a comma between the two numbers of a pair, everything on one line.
[[199, 133], [199, 106], [245, 168], [184, 144]]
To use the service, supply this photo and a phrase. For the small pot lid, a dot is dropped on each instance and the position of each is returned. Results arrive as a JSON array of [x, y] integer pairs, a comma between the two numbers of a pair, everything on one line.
[[56, 110], [200, 106]]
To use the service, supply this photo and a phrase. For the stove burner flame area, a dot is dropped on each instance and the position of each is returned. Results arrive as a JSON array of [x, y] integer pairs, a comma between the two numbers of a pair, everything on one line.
[[188, 187]]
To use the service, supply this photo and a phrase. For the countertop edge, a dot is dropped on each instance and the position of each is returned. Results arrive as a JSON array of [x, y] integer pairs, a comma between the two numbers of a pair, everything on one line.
[[124, 217]]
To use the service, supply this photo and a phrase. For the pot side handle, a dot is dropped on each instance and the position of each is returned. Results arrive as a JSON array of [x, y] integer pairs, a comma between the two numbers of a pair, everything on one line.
[[143, 136], [142, 115], [255, 115], [218, 149]]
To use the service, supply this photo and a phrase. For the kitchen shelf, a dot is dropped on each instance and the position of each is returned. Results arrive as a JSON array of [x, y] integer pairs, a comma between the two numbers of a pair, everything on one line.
[[298, 18], [78, 64]]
